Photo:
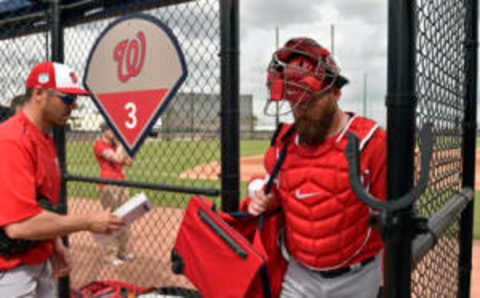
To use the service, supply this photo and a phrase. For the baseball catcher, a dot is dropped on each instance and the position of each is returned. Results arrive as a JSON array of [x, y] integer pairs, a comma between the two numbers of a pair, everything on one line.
[[330, 247]]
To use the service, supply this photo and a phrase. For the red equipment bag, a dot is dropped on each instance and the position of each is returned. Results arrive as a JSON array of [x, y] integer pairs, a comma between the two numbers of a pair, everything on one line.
[[232, 255], [229, 254]]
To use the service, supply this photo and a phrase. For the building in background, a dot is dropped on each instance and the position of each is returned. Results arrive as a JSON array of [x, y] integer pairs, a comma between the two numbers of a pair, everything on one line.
[[199, 114], [189, 115]]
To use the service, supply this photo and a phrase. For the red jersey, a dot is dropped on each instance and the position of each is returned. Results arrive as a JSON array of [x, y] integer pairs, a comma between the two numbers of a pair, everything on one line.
[[28, 167], [108, 169]]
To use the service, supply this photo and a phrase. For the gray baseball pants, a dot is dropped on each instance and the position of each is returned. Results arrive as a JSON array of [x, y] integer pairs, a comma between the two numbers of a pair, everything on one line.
[[301, 282], [28, 281]]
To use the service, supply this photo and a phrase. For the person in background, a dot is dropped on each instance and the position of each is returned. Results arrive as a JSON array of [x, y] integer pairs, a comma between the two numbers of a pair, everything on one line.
[[111, 159]]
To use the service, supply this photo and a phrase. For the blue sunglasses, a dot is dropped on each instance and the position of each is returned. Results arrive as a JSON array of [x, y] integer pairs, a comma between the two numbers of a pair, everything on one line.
[[68, 99]]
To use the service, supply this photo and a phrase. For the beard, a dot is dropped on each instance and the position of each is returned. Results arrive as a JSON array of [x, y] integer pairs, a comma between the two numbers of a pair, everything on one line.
[[313, 128], [54, 116]]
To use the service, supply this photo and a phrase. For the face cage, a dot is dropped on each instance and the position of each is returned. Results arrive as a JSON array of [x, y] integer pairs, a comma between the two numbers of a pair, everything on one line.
[[304, 101]]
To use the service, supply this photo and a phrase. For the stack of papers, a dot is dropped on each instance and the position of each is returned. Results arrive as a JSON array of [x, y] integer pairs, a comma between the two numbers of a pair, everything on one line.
[[131, 210]]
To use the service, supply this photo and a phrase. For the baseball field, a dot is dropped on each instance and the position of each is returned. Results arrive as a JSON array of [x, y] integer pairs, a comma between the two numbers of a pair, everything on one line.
[[177, 163], [183, 163]]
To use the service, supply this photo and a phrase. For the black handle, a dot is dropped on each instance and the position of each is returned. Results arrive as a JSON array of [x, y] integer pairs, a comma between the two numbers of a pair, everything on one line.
[[221, 233], [177, 262], [353, 157]]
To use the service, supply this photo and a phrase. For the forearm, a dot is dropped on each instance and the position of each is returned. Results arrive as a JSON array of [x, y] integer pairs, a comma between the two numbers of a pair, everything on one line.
[[47, 225], [118, 155], [115, 155]]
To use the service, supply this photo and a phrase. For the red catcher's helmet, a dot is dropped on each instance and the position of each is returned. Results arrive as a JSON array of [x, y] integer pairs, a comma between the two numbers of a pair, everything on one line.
[[300, 69]]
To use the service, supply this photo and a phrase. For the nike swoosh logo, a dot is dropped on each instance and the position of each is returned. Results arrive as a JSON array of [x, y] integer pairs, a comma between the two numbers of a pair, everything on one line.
[[302, 196]]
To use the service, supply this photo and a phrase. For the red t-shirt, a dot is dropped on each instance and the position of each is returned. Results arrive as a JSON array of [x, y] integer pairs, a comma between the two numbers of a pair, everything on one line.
[[28, 166], [108, 169]]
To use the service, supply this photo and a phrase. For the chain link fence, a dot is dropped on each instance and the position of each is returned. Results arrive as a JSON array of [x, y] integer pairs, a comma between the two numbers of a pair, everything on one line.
[[441, 35], [183, 150], [23, 43]]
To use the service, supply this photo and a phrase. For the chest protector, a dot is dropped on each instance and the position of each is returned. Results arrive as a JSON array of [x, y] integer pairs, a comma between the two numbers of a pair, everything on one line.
[[326, 224]]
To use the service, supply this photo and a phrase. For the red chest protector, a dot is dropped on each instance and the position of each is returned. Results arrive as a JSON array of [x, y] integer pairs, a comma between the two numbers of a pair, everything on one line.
[[326, 224]]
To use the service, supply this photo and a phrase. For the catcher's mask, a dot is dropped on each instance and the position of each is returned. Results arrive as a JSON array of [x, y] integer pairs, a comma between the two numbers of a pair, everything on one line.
[[299, 70]]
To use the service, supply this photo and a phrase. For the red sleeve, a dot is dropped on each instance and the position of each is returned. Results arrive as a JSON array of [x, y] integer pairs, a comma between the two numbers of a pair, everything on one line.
[[376, 151], [99, 148], [17, 187]]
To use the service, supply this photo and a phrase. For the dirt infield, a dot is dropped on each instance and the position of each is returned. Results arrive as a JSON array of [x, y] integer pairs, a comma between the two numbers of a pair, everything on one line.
[[249, 167], [475, 279]]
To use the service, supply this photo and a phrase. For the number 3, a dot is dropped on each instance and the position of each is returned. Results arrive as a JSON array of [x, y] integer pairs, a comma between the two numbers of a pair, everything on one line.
[[130, 106]]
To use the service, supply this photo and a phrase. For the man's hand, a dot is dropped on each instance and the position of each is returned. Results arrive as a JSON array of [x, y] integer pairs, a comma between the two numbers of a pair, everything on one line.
[[105, 222], [259, 202], [61, 259], [127, 161]]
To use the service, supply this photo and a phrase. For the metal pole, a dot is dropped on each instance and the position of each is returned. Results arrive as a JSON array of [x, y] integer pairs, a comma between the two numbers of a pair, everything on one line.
[[365, 95], [401, 103], [468, 150], [229, 54], [277, 119], [332, 39], [59, 132]]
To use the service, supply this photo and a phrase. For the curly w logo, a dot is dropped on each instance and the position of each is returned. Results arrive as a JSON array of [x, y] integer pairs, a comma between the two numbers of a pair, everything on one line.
[[132, 54]]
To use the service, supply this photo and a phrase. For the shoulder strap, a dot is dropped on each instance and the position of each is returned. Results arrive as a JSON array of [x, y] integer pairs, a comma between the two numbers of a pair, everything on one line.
[[363, 128], [276, 168], [282, 132], [281, 157], [276, 133]]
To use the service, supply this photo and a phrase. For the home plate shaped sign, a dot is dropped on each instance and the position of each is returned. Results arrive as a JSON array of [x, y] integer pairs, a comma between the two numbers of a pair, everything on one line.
[[133, 71]]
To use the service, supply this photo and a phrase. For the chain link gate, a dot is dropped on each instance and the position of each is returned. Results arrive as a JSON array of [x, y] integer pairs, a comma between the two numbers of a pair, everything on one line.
[[441, 78], [432, 81]]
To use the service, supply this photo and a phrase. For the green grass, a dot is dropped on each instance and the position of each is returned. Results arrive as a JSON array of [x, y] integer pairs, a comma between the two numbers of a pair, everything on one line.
[[157, 161]]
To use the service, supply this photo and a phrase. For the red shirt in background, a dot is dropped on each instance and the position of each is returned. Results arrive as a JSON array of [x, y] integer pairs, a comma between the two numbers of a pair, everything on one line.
[[28, 167], [108, 169]]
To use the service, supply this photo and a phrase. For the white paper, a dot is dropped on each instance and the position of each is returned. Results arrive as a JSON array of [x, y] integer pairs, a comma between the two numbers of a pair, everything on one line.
[[131, 210]]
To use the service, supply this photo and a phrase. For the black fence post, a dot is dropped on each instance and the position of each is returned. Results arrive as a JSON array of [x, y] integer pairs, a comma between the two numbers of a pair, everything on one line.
[[401, 103], [468, 149], [59, 132], [229, 55]]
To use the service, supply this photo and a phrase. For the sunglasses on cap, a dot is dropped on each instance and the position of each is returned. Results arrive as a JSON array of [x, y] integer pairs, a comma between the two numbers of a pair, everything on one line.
[[68, 99]]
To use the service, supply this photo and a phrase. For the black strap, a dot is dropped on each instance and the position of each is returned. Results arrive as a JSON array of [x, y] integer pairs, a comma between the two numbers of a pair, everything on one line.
[[281, 158], [276, 133], [267, 292], [276, 169]]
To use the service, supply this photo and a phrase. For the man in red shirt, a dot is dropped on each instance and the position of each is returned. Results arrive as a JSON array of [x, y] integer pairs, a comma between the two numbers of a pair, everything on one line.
[[29, 169], [111, 158], [331, 249]]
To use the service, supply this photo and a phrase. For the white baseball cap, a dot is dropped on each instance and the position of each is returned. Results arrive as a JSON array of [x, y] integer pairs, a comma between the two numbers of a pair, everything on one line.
[[56, 76]]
